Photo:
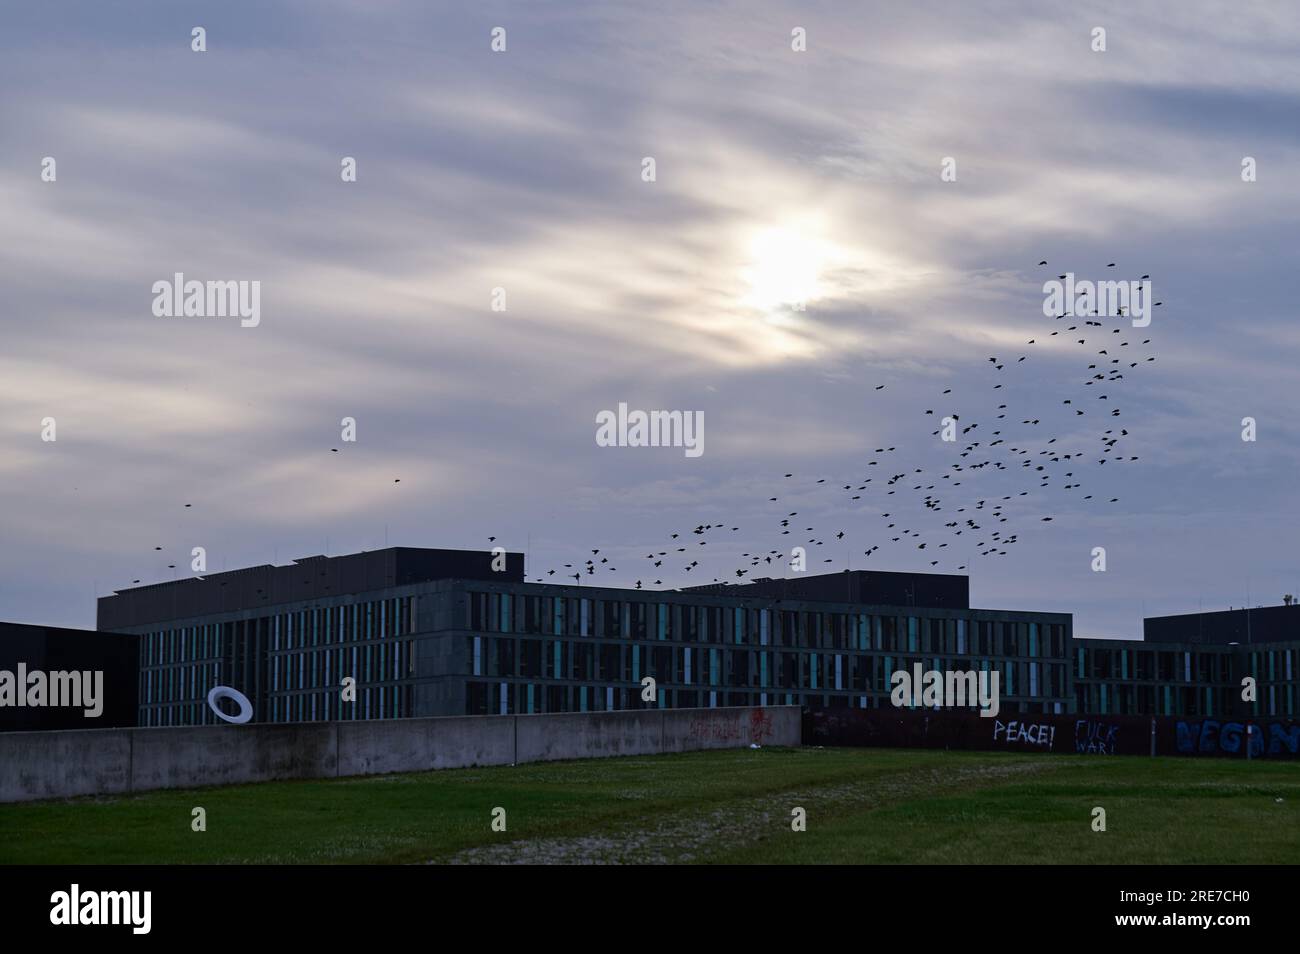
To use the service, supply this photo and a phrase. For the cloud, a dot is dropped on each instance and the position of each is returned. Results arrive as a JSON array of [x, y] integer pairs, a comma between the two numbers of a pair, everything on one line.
[[522, 171]]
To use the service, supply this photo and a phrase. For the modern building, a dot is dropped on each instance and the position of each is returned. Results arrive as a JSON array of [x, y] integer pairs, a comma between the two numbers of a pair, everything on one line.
[[441, 632], [45, 670], [1194, 665], [446, 632]]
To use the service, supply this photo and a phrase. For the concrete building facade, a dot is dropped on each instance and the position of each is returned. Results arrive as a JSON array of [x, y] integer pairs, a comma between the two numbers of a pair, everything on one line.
[[1194, 665], [433, 632]]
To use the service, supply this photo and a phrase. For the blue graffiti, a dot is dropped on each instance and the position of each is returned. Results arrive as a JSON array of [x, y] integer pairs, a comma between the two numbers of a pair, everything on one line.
[[1282, 736], [1210, 736]]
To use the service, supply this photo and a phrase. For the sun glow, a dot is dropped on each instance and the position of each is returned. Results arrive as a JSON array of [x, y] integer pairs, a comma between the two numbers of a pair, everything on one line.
[[785, 268]]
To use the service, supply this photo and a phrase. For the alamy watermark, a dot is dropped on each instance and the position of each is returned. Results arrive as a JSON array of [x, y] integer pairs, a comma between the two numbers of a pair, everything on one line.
[[952, 688], [215, 299], [1108, 299], [74, 907], [59, 689], [624, 428]]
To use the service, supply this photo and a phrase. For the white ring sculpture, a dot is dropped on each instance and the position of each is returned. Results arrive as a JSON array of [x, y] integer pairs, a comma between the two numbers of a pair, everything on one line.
[[235, 696]]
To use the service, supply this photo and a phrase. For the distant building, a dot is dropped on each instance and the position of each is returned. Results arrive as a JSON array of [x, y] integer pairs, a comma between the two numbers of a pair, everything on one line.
[[1194, 664], [1133, 677], [438, 632]]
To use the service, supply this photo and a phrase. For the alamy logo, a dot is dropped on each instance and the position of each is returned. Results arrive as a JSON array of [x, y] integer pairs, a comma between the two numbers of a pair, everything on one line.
[[194, 299], [626, 428], [954, 688], [102, 907], [78, 690], [1109, 299]]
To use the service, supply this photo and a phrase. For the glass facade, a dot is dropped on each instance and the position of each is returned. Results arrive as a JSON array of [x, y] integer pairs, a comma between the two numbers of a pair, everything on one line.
[[1276, 668], [289, 664], [533, 652], [1122, 677], [455, 646], [489, 649]]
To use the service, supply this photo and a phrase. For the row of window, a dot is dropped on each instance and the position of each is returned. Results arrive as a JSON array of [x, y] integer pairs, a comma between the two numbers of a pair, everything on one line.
[[320, 626], [328, 667], [1275, 665], [514, 698], [287, 670], [272, 654], [1148, 665], [1128, 699], [1202, 666], [178, 683], [608, 662], [675, 622]]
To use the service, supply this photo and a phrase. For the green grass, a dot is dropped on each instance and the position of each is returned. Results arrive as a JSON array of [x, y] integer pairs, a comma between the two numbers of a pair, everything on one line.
[[863, 806]]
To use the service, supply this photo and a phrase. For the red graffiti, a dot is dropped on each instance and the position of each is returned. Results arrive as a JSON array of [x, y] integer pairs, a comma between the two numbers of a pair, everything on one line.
[[719, 728]]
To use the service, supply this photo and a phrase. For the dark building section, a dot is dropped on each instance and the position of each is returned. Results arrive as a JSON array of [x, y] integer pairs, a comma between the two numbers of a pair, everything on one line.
[[289, 661], [555, 649], [443, 641], [1194, 665], [425, 632], [58, 654], [1130, 677], [1260, 624], [1275, 668], [310, 578], [868, 587]]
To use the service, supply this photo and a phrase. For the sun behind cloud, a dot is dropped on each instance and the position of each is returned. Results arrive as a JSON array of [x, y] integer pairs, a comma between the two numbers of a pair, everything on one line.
[[785, 268]]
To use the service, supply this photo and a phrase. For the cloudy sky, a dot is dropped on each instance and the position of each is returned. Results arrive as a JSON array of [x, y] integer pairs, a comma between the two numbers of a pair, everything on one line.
[[779, 174]]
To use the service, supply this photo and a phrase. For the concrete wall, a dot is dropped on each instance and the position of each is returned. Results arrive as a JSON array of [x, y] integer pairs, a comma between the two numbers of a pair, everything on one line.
[[35, 765], [210, 755], [584, 735], [62, 762], [415, 745]]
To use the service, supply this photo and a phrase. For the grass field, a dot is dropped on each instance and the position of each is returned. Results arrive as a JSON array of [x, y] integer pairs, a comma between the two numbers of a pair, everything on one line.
[[863, 806]]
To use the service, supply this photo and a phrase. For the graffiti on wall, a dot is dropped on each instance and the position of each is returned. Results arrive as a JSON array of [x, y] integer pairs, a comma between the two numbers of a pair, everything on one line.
[[1083, 733], [1095, 738], [1210, 736], [724, 728], [1024, 733]]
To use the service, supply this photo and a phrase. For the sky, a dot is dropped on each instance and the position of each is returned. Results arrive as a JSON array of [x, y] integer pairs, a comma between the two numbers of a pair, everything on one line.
[[782, 178]]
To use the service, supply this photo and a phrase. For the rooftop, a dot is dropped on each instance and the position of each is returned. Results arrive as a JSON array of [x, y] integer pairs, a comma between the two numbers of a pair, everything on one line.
[[869, 587], [308, 578], [1250, 624]]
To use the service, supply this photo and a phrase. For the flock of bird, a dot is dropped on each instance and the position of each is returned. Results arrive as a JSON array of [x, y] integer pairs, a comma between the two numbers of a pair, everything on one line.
[[923, 509]]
